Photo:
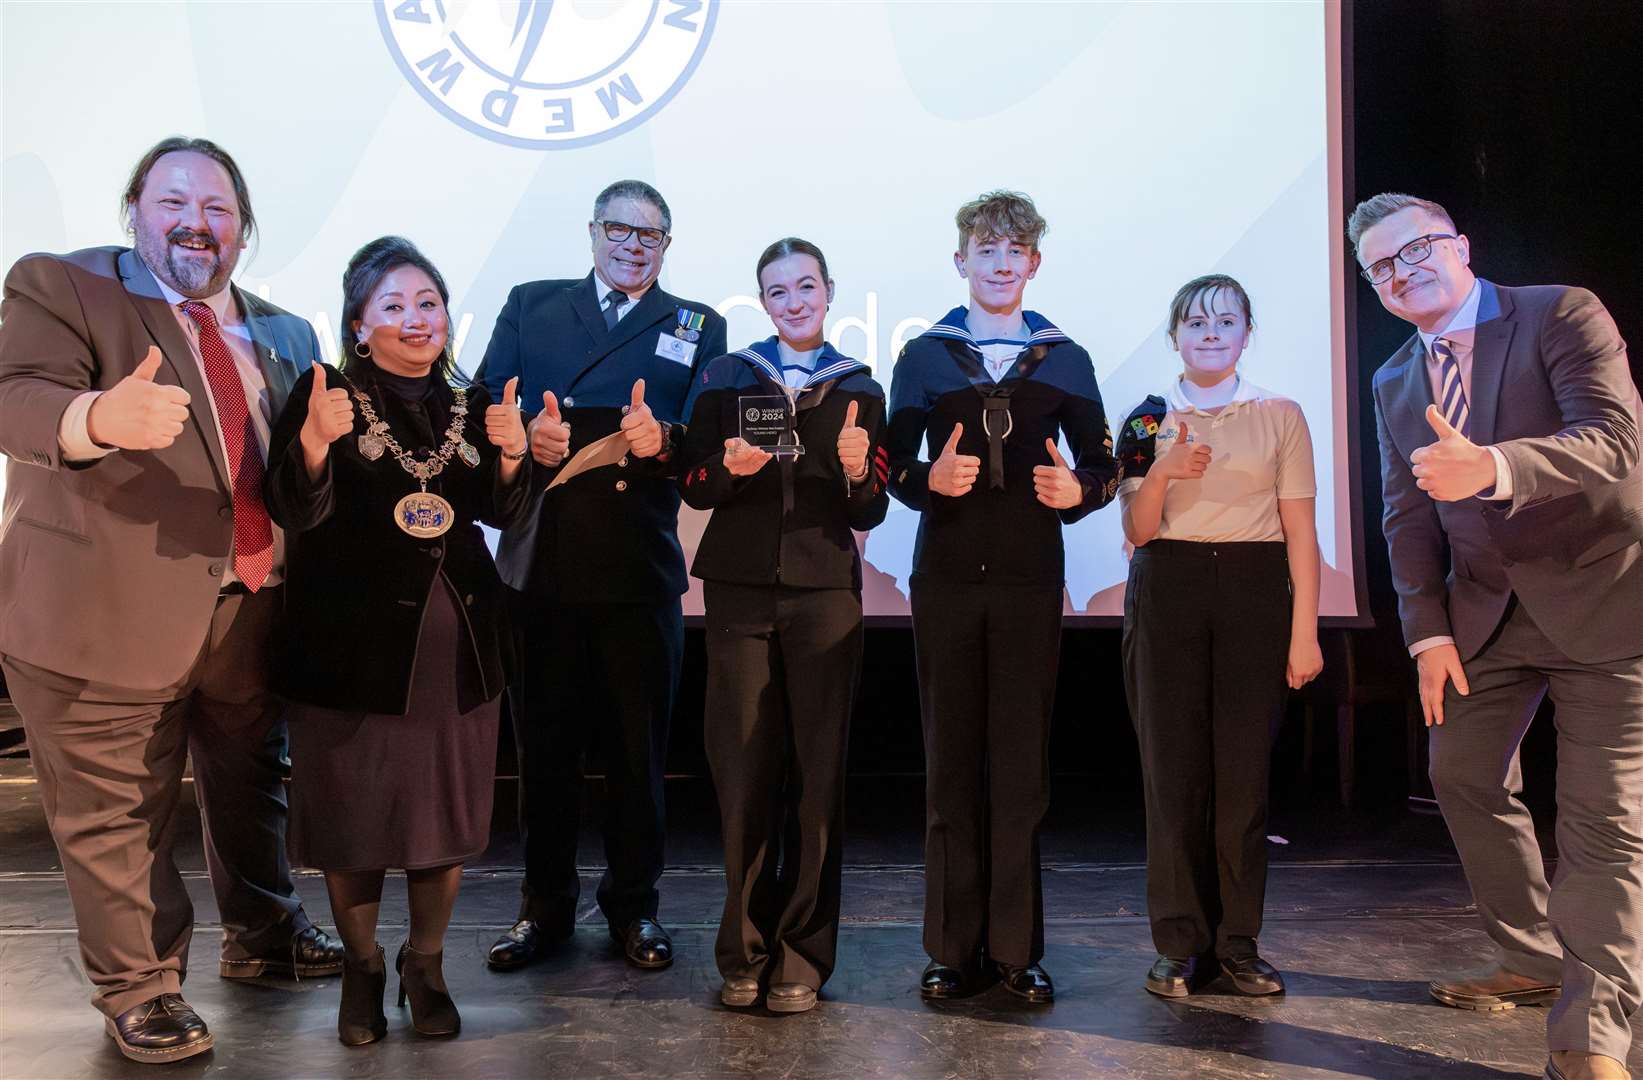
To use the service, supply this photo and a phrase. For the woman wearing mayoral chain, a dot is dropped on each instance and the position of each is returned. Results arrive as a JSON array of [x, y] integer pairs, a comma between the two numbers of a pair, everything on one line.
[[393, 648]]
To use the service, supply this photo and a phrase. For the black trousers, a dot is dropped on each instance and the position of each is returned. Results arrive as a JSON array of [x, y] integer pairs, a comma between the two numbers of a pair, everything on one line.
[[782, 665], [1206, 639], [987, 658], [593, 675]]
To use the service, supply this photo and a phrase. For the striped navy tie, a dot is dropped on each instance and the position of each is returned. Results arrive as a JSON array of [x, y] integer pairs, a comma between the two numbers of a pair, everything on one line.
[[1451, 395]]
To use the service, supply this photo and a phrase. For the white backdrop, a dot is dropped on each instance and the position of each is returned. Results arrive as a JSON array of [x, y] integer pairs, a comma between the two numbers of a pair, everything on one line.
[[1161, 141]]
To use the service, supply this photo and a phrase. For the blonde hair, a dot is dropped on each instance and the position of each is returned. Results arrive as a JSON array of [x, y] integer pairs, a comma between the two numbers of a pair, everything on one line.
[[1000, 215]]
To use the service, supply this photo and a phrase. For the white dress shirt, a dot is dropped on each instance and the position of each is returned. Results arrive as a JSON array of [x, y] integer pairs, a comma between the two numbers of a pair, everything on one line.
[[1461, 334], [621, 309]]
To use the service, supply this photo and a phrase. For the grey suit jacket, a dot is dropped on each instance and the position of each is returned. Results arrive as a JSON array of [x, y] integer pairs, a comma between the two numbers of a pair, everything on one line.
[[1551, 388], [109, 570]]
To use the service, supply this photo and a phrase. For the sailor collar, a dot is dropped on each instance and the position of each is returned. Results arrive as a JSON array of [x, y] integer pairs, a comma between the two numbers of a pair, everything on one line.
[[1040, 331], [767, 358]]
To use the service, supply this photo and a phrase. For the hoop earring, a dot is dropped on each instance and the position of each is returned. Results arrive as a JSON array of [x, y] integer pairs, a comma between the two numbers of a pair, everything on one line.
[[362, 350]]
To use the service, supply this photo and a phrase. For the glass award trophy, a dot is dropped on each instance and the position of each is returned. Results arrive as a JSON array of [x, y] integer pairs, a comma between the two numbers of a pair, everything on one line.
[[767, 424]]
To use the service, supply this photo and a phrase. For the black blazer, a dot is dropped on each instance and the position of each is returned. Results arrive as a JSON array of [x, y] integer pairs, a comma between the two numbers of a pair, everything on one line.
[[610, 535], [789, 523], [355, 584]]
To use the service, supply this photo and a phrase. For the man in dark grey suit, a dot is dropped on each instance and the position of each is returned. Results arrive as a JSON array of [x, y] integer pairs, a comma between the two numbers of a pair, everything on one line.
[[139, 578], [1509, 443]]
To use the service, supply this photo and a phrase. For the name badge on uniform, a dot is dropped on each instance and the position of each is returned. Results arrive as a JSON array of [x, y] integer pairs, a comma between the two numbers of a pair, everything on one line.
[[676, 349]]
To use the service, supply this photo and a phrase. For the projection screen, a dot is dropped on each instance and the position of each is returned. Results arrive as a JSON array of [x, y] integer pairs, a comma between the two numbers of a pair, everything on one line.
[[1161, 141]]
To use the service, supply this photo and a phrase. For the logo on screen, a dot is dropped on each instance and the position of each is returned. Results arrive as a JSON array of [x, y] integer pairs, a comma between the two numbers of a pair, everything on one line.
[[547, 74]]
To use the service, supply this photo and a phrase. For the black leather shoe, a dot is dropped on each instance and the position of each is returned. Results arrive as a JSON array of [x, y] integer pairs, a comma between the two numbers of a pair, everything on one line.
[[739, 991], [1174, 977], [311, 952], [941, 981], [359, 1013], [646, 944], [523, 942], [422, 980], [162, 1028], [1252, 976], [790, 998], [1031, 983]]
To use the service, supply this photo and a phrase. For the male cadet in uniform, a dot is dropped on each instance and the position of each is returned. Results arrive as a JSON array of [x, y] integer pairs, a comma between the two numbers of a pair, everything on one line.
[[139, 579], [596, 572], [1514, 516]]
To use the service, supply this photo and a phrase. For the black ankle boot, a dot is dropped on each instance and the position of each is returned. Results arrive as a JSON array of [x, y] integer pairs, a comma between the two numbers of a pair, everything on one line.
[[359, 1016], [422, 979]]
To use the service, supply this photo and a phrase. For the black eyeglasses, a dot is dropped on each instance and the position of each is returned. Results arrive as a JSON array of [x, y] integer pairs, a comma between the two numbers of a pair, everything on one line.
[[1412, 253], [618, 231]]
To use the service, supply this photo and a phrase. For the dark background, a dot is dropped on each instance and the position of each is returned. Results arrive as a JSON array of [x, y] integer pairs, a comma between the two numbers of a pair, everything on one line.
[[1521, 119]]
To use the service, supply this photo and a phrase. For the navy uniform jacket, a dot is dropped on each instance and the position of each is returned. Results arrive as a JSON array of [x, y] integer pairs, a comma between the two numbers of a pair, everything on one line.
[[997, 535], [611, 534], [789, 523]]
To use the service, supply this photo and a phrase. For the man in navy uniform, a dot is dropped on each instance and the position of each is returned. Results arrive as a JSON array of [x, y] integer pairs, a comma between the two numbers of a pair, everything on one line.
[[596, 572]]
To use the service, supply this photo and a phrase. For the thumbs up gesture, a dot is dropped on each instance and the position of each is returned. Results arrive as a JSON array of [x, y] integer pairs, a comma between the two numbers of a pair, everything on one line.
[[952, 474], [503, 425], [549, 435], [139, 413], [1183, 460], [1055, 484], [853, 446], [330, 415], [639, 426], [1454, 467]]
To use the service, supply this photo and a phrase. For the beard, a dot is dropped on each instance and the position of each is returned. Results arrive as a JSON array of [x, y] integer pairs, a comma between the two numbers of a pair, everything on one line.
[[193, 276]]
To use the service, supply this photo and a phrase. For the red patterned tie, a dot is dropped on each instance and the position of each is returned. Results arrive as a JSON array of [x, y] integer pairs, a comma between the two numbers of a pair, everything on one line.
[[253, 532]]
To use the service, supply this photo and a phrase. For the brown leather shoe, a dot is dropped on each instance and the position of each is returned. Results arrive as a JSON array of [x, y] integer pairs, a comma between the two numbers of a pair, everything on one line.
[[1580, 1065], [1491, 989]]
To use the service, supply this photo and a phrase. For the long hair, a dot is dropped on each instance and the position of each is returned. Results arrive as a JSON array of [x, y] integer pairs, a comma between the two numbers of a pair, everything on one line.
[[181, 144], [365, 272]]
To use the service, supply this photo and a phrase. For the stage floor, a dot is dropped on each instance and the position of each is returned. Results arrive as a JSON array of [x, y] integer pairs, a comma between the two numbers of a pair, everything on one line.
[[1362, 910]]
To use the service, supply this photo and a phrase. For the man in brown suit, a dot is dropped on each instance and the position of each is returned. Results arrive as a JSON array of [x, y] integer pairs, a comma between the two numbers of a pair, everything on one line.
[[139, 579]]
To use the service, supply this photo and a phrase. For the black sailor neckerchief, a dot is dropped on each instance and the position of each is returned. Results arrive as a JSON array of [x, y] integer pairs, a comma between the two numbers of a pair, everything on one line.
[[831, 366], [996, 421]]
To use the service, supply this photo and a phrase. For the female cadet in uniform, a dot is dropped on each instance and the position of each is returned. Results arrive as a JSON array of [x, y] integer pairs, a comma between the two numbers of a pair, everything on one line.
[[781, 582], [392, 645], [1220, 612], [991, 386]]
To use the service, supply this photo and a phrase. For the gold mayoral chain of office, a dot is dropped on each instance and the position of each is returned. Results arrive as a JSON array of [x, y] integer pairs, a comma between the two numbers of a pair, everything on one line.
[[421, 513]]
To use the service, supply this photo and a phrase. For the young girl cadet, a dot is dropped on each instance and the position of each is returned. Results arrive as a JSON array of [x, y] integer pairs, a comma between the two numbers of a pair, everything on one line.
[[1220, 613], [781, 581], [990, 387]]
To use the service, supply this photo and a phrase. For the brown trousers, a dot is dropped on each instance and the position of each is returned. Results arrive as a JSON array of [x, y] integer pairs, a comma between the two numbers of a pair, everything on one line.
[[110, 766]]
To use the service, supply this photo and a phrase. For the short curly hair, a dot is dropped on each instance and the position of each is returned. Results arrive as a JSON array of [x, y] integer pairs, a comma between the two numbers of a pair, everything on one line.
[[999, 215]]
